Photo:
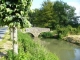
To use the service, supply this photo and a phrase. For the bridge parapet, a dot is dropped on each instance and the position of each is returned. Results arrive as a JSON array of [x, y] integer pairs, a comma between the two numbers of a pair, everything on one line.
[[36, 30]]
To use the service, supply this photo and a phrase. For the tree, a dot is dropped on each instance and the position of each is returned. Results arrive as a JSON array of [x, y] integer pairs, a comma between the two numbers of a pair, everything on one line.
[[47, 14], [13, 13], [43, 15], [32, 17], [75, 21], [64, 13], [52, 14]]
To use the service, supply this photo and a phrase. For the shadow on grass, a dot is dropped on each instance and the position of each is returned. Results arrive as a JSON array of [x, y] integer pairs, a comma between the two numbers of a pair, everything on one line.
[[1, 48], [2, 54]]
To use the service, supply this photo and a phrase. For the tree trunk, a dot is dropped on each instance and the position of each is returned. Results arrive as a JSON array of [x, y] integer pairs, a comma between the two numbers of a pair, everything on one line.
[[11, 33], [14, 38]]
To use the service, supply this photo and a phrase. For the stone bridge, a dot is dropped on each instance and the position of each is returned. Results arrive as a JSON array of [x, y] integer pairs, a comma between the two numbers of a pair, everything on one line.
[[36, 30]]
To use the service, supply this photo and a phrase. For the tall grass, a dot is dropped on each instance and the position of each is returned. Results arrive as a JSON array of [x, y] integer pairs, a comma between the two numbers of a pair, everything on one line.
[[29, 50]]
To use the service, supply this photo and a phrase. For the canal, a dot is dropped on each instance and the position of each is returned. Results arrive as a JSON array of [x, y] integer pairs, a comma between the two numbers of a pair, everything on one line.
[[64, 50]]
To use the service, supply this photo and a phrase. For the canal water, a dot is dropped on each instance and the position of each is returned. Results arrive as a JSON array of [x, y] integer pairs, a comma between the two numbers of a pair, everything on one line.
[[64, 50]]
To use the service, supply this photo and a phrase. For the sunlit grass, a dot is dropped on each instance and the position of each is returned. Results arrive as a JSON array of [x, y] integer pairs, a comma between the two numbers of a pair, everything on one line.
[[4, 40]]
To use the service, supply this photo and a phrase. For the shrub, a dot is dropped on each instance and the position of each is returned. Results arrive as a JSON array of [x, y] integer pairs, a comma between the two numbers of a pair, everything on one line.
[[29, 50], [47, 35], [62, 32]]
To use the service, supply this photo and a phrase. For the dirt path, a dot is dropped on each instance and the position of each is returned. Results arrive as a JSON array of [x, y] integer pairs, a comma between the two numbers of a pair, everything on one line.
[[5, 45]]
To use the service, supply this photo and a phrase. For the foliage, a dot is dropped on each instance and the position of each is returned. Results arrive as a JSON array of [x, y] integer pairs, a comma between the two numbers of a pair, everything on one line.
[[43, 15], [52, 14], [29, 50], [46, 35], [56, 15], [69, 30], [75, 21], [61, 32], [14, 12], [64, 13], [78, 29]]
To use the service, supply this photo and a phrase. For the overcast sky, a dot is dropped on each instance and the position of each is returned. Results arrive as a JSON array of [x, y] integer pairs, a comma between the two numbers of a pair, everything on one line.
[[75, 3]]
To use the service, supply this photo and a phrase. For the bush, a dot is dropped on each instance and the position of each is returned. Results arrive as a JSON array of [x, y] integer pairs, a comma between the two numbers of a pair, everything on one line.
[[78, 30], [29, 50], [72, 30], [62, 32], [47, 35]]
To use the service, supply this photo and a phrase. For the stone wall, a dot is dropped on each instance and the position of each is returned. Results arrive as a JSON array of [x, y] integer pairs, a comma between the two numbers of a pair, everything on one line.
[[36, 30]]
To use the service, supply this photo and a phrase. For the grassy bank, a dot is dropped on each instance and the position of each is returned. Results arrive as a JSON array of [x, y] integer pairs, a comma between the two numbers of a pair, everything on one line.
[[5, 39], [29, 50], [5, 44]]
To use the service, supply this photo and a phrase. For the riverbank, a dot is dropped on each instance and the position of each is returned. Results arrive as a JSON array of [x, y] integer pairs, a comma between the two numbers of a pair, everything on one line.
[[29, 50], [73, 39], [64, 50]]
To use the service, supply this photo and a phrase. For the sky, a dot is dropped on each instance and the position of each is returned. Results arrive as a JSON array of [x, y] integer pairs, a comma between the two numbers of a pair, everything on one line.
[[75, 3]]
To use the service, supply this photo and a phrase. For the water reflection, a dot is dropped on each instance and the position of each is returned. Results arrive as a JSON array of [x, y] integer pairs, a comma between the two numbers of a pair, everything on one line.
[[64, 50], [77, 54]]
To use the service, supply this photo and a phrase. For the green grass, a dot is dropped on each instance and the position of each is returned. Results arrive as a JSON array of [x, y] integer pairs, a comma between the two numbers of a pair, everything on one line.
[[29, 50], [5, 39]]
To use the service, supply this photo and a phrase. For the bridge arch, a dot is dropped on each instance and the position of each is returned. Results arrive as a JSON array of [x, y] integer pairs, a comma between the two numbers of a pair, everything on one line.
[[34, 34], [30, 34], [36, 30]]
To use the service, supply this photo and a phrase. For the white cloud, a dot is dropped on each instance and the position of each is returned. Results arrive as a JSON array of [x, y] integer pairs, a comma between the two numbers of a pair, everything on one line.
[[76, 5]]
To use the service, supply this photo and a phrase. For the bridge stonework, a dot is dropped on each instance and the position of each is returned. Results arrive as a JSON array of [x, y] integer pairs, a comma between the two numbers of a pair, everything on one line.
[[36, 30]]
